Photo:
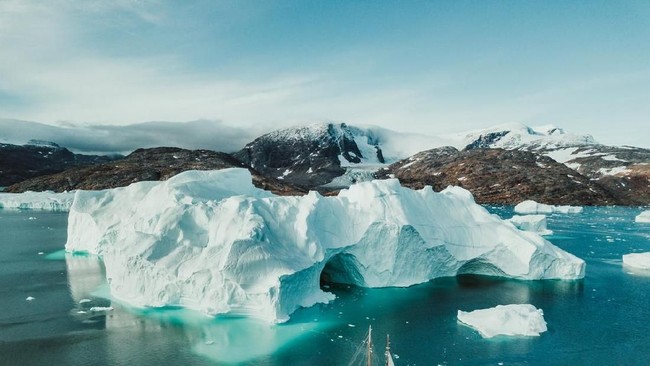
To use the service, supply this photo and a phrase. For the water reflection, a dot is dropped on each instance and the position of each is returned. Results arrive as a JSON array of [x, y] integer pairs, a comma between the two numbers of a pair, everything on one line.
[[230, 340]]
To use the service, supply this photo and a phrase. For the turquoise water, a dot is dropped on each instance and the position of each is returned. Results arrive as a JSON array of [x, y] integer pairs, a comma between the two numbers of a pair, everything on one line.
[[601, 320]]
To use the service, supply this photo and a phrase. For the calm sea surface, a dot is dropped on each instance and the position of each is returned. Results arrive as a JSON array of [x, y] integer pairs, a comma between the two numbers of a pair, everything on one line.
[[602, 320]]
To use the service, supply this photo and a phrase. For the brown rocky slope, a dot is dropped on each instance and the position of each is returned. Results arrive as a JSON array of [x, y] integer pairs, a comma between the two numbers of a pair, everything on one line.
[[147, 164], [500, 176]]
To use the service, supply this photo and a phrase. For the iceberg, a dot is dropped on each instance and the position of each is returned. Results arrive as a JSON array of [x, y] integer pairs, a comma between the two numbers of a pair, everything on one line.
[[532, 207], [37, 201], [533, 223], [212, 242], [637, 260], [508, 320], [643, 217]]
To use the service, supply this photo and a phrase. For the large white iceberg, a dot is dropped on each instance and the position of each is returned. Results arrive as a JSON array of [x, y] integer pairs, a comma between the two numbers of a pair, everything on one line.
[[211, 241], [533, 223], [37, 201], [509, 320], [637, 260], [532, 207], [643, 217]]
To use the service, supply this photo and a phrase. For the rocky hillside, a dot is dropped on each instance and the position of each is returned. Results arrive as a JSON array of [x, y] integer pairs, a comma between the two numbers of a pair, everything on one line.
[[501, 176], [624, 170], [146, 164], [21, 162]]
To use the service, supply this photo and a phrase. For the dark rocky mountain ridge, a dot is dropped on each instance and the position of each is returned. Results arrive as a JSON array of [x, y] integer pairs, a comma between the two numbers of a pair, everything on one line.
[[38, 158], [147, 164]]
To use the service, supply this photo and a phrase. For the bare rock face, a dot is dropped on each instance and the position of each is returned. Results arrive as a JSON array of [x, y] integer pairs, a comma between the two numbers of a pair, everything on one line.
[[21, 162], [146, 164], [501, 177], [310, 156]]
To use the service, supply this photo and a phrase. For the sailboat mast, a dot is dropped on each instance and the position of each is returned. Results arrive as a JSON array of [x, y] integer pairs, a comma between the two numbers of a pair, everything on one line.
[[369, 358]]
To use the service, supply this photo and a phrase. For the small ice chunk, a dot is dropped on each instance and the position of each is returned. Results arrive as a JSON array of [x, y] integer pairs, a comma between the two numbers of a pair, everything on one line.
[[643, 217], [30, 298], [532, 207], [83, 301], [351, 325], [101, 308], [41, 253], [509, 320], [637, 260]]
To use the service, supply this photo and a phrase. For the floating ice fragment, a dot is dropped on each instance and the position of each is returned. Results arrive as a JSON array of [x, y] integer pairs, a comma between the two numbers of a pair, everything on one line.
[[643, 217], [637, 260], [532, 207], [510, 320], [30, 298], [95, 309], [83, 301]]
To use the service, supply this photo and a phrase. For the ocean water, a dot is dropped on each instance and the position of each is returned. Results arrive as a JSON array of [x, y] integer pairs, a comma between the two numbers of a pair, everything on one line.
[[601, 320]]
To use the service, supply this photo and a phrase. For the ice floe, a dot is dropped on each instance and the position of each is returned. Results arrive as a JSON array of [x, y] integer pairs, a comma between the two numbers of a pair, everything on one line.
[[532, 207], [507, 320], [637, 260], [643, 217]]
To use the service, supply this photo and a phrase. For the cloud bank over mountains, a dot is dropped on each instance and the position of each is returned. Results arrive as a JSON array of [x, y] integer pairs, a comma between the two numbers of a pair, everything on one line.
[[105, 139]]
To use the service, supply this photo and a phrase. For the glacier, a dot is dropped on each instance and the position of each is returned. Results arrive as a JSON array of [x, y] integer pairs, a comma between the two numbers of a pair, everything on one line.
[[509, 320], [212, 242], [532, 207], [643, 217], [47, 200]]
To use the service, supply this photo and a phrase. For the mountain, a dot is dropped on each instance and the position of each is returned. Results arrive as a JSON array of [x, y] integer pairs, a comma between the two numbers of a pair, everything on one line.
[[314, 155], [146, 164], [624, 170], [500, 176], [37, 158]]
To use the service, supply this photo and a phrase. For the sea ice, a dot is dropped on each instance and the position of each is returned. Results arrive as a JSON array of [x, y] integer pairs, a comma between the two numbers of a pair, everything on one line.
[[211, 241], [643, 217], [532, 207], [637, 260], [509, 320], [533, 223], [30, 298], [37, 201]]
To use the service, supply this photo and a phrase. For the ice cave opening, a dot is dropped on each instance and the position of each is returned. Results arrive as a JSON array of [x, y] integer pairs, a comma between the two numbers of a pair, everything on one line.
[[342, 268]]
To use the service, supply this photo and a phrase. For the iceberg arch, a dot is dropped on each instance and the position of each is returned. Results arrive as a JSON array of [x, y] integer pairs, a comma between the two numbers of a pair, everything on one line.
[[211, 241]]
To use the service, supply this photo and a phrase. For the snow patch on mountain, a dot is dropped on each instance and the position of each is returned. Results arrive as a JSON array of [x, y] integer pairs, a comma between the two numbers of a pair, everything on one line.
[[211, 241]]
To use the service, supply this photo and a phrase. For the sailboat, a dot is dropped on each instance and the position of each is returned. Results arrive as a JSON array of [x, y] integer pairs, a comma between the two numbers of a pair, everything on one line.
[[369, 357]]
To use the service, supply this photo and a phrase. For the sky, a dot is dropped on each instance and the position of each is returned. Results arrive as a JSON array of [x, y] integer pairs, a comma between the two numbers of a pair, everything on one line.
[[429, 67]]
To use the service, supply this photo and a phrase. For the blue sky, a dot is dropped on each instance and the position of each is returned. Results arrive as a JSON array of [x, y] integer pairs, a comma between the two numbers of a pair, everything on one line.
[[415, 66]]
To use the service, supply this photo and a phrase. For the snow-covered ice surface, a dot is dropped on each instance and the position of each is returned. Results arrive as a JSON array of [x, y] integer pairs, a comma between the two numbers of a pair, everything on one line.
[[534, 223], [532, 207], [643, 217], [637, 260], [211, 241], [37, 200], [508, 320]]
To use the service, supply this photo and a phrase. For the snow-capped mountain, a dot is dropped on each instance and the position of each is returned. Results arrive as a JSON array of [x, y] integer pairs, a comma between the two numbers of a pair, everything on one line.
[[315, 155], [623, 170]]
